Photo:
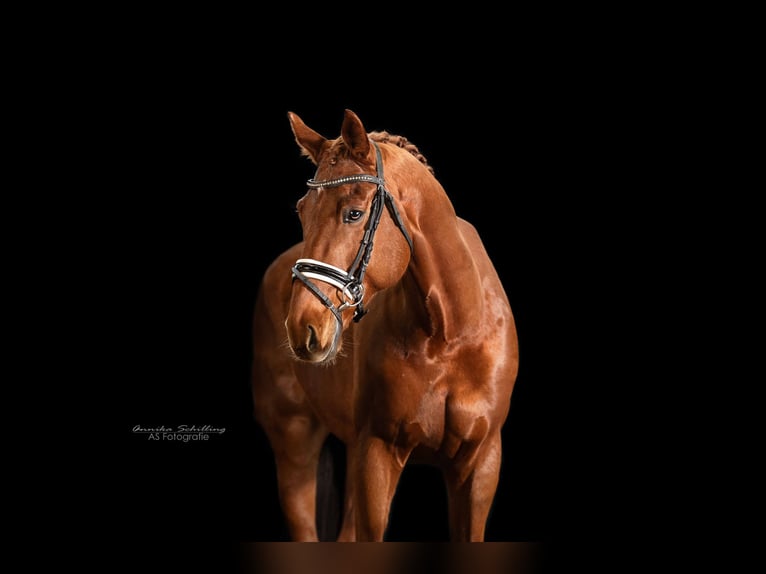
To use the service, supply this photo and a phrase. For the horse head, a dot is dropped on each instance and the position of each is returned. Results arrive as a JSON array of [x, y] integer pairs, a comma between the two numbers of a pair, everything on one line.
[[351, 204]]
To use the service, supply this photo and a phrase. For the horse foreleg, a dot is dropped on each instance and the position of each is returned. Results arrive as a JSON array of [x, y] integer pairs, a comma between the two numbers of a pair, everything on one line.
[[471, 485], [378, 468], [297, 444], [348, 527]]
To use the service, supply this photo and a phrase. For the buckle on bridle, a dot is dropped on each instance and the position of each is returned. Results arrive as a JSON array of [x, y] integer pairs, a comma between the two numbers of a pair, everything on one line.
[[351, 295]]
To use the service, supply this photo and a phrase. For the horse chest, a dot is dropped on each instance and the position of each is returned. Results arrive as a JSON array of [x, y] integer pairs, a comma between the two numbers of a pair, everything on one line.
[[424, 401], [330, 392]]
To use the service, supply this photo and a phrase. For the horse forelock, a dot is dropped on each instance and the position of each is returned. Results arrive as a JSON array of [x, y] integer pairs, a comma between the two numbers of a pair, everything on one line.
[[337, 148]]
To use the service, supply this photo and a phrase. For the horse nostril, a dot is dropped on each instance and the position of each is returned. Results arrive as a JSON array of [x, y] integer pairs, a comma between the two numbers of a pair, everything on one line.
[[312, 343]]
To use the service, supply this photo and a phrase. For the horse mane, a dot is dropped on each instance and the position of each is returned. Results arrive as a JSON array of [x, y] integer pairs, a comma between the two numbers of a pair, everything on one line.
[[402, 142]]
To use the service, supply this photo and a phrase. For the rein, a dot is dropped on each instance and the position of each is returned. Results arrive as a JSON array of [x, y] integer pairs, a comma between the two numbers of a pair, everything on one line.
[[349, 283]]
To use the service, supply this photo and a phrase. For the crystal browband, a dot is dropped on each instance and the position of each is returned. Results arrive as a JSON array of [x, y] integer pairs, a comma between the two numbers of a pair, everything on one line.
[[347, 179]]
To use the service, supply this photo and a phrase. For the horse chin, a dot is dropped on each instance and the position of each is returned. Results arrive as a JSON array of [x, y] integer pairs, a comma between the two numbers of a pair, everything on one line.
[[326, 357]]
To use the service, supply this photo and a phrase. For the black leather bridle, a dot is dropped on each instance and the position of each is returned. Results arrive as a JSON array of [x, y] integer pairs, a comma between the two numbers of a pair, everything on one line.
[[350, 283]]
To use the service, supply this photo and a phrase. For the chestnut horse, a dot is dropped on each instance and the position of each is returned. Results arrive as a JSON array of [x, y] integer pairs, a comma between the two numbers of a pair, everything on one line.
[[405, 353]]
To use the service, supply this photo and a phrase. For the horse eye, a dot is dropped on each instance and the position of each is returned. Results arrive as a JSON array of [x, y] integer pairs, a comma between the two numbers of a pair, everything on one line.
[[352, 215]]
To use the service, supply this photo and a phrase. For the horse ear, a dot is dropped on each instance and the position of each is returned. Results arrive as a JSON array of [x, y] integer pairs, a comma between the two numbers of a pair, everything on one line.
[[308, 140], [355, 135]]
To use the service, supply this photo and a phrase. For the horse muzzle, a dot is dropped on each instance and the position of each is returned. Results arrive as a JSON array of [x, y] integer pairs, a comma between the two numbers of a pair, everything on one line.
[[314, 335]]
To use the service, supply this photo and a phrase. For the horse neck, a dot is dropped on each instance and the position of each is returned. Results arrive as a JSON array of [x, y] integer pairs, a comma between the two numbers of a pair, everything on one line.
[[449, 287]]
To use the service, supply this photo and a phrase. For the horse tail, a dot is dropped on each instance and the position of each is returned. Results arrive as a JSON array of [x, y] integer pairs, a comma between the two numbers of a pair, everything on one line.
[[330, 489]]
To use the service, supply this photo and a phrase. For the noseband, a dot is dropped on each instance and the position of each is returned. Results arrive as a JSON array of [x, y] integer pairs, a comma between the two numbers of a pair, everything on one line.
[[349, 283]]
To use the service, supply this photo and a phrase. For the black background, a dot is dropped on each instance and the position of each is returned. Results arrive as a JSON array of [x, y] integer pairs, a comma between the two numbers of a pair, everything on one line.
[[204, 174]]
